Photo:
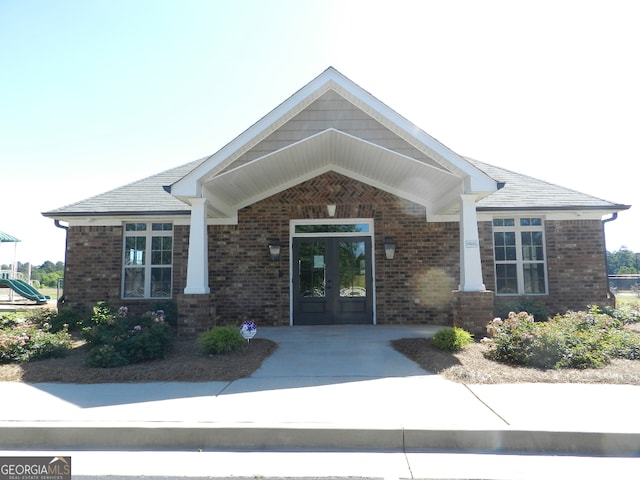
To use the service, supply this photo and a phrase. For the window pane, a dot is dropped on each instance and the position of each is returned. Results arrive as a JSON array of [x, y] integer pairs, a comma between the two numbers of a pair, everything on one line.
[[312, 269], [534, 278], [135, 227], [161, 248], [161, 282], [506, 278], [504, 246], [503, 222], [535, 221], [161, 227], [347, 228], [133, 282], [532, 246], [134, 250], [352, 269]]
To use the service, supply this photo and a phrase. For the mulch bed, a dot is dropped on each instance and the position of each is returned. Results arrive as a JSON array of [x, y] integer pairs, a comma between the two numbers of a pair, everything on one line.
[[184, 364], [471, 366], [187, 364]]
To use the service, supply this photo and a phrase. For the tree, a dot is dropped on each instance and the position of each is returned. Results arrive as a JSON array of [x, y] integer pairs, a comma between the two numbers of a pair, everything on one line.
[[48, 273], [623, 261]]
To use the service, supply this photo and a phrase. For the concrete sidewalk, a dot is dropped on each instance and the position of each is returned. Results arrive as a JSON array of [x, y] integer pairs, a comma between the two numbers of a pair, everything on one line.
[[325, 388]]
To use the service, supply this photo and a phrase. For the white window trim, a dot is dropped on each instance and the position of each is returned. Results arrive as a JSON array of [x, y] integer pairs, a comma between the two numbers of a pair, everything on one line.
[[149, 233], [519, 261]]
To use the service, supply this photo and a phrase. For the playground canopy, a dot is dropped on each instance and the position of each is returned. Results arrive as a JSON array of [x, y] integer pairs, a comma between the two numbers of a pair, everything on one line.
[[5, 237]]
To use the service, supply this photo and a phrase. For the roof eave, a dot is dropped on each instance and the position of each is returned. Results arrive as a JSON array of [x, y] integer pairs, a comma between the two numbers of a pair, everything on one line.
[[573, 208], [115, 213]]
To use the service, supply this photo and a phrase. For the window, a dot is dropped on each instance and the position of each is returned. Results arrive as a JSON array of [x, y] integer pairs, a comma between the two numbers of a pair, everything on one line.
[[519, 255], [148, 257]]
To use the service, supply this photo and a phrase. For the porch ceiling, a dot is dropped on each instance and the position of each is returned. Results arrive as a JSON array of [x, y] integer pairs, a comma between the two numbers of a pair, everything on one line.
[[329, 150]]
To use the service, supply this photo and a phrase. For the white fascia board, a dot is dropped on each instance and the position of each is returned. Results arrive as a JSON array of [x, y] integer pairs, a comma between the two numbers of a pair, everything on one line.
[[117, 221], [546, 214]]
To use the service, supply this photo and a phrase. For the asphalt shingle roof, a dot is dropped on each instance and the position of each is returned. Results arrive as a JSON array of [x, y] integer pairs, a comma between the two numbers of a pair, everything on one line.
[[143, 196], [148, 196], [525, 192]]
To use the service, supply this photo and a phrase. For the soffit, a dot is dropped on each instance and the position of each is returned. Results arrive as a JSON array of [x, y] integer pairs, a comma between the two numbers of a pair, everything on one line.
[[329, 150]]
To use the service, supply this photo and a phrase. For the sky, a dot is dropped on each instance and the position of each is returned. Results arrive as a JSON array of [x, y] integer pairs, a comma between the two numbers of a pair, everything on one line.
[[95, 94]]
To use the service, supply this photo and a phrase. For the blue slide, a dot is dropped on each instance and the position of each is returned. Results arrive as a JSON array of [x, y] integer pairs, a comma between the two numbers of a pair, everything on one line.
[[24, 290]]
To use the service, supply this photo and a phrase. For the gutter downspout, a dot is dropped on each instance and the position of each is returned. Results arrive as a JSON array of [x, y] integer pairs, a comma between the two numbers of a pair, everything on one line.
[[614, 215], [61, 298]]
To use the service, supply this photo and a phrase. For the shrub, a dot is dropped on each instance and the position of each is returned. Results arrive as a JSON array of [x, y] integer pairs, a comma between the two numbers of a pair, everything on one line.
[[532, 306], [23, 341], [55, 320], [627, 313], [221, 340], [452, 339], [170, 309], [573, 340], [117, 339]]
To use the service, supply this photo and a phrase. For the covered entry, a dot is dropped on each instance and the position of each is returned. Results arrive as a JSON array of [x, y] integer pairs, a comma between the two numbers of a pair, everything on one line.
[[332, 274]]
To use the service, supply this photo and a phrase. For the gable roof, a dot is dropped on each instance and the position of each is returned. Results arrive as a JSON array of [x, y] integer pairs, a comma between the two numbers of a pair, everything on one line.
[[146, 196], [149, 196], [331, 124]]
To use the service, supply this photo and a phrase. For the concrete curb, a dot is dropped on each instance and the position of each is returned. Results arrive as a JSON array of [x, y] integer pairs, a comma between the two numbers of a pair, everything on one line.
[[162, 436]]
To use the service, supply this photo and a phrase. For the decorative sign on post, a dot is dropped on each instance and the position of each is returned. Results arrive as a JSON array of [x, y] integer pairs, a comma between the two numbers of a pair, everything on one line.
[[248, 330]]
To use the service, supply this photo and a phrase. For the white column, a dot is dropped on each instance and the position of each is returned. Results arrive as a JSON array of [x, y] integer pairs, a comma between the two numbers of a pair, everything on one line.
[[198, 262], [470, 266]]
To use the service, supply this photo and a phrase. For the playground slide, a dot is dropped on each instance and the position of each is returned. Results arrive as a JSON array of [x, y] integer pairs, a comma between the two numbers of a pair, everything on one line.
[[24, 290]]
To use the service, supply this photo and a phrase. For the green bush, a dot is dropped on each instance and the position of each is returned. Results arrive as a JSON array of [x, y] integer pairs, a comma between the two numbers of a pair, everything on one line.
[[532, 306], [117, 339], [452, 339], [54, 320], [628, 313], [24, 341], [573, 340], [170, 310], [221, 340]]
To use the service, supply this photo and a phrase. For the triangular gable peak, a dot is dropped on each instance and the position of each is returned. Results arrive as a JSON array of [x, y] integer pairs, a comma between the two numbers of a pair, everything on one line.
[[332, 124]]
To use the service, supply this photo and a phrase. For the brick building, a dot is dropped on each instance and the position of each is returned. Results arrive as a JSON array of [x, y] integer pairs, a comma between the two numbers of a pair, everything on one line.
[[335, 209]]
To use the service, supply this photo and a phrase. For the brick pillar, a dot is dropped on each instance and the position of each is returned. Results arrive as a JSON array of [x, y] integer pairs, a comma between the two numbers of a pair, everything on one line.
[[196, 314], [472, 311]]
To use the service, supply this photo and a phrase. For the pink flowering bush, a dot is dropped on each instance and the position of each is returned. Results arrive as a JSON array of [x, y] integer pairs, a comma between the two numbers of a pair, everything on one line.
[[119, 339], [22, 341], [574, 340]]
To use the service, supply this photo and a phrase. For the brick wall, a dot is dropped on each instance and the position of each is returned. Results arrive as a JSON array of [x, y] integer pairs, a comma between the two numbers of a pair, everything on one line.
[[575, 265], [93, 270], [415, 287], [93, 266]]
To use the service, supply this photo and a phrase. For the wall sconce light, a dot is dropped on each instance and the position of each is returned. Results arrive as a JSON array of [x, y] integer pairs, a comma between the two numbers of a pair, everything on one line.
[[389, 248], [331, 210], [274, 250]]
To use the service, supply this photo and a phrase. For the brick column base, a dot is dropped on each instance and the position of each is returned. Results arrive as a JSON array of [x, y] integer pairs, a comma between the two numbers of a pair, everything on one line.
[[196, 314], [472, 311]]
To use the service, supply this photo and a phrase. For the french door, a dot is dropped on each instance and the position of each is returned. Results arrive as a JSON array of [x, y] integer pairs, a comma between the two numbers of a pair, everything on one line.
[[332, 280]]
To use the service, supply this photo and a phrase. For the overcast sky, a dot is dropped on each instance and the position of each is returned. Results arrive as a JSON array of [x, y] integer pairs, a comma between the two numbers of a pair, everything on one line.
[[95, 94]]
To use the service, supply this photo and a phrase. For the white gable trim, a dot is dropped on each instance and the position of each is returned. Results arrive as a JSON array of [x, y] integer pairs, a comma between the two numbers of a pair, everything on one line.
[[474, 179]]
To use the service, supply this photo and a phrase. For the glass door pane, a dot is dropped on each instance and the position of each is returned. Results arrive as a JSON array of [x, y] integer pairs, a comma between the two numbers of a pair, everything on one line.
[[353, 267], [312, 269]]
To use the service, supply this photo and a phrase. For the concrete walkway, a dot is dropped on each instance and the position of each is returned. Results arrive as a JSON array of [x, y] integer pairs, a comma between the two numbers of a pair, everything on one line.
[[337, 389]]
